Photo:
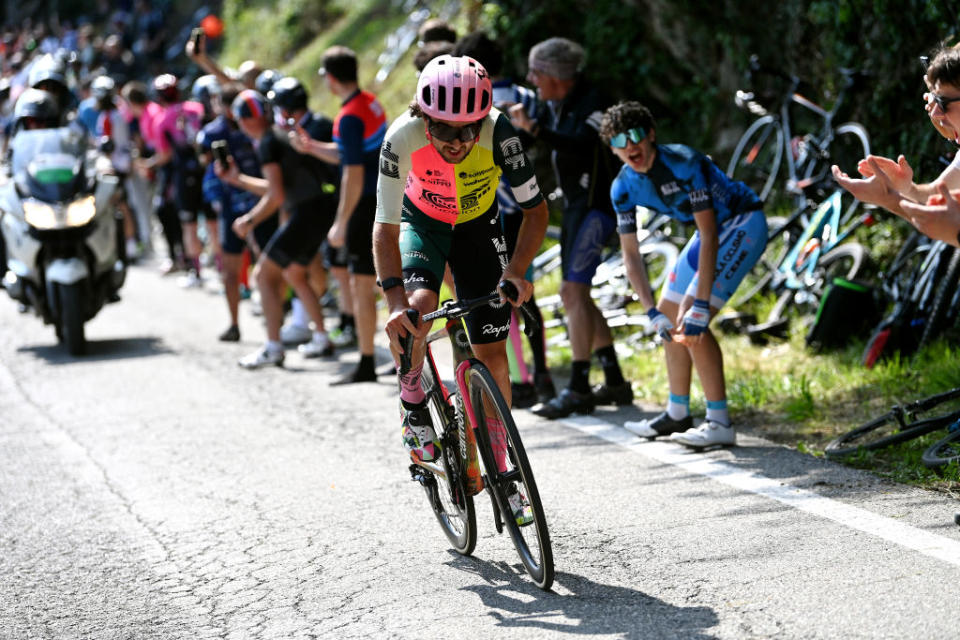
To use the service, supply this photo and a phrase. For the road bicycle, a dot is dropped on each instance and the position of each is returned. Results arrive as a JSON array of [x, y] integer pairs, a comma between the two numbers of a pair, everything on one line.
[[758, 158], [922, 285], [814, 257], [460, 420], [900, 424]]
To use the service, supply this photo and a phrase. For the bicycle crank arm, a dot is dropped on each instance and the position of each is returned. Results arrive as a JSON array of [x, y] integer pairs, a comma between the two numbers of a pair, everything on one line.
[[417, 470]]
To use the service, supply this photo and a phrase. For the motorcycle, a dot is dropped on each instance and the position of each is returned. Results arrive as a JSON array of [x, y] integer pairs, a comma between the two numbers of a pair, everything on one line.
[[63, 241]]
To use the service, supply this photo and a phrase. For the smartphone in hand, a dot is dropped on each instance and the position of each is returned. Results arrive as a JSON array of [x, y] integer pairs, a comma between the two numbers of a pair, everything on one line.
[[220, 153]]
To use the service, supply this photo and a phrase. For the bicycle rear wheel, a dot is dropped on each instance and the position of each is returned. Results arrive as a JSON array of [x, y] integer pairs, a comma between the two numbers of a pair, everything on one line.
[[757, 156], [945, 450], [448, 498], [532, 541], [844, 261], [883, 432]]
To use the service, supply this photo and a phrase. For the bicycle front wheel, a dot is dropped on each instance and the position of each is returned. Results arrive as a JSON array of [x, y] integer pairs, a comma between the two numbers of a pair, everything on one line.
[[532, 540], [448, 497], [883, 432], [757, 156]]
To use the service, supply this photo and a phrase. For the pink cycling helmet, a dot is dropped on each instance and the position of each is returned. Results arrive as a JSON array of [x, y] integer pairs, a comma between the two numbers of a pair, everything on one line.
[[457, 89]]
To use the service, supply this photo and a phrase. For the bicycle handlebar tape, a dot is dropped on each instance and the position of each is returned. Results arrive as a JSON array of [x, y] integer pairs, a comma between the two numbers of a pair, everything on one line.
[[406, 343], [531, 324]]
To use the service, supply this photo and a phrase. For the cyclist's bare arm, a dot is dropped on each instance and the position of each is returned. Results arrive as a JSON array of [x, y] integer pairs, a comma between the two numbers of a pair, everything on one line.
[[529, 240], [386, 258], [636, 269]]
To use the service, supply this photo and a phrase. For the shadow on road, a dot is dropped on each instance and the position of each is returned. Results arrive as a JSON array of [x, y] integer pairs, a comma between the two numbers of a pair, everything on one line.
[[98, 350], [590, 608]]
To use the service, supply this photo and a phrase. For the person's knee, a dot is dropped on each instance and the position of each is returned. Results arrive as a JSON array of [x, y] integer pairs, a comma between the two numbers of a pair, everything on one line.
[[574, 294]]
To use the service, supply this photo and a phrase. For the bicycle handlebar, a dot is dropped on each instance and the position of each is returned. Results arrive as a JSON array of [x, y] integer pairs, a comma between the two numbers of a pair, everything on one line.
[[454, 309]]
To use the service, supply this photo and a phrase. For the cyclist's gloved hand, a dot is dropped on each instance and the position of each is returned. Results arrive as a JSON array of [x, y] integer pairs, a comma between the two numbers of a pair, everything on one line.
[[697, 317], [660, 323]]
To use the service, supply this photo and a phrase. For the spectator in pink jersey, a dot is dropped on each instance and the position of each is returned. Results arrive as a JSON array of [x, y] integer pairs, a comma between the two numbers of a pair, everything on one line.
[[175, 133], [148, 114]]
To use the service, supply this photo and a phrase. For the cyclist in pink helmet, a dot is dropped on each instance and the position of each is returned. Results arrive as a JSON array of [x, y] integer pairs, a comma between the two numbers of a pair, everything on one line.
[[454, 89], [440, 165]]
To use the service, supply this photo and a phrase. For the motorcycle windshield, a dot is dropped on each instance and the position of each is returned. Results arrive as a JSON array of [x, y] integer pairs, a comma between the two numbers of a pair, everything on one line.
[[48, 163]]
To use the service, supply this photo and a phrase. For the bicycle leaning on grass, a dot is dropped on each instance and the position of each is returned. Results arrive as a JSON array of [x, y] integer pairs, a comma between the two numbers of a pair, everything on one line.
[[460, 418]]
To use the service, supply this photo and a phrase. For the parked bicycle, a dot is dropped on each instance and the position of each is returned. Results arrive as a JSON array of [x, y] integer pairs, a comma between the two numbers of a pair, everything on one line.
[[460, 418], [901, 424], [773, 147]]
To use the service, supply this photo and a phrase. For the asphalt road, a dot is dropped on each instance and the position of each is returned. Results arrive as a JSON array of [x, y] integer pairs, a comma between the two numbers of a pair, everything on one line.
[[153, 489]]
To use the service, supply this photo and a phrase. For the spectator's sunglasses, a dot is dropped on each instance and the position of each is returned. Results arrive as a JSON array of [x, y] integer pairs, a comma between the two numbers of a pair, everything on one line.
[[446, 133], [636, 136], [943, 103]]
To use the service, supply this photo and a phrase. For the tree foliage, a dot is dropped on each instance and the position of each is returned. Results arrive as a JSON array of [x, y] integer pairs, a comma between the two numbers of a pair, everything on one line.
[[686, 60]]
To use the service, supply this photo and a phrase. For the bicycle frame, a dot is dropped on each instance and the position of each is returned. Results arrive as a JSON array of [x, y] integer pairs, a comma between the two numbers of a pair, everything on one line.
[[820, 236]]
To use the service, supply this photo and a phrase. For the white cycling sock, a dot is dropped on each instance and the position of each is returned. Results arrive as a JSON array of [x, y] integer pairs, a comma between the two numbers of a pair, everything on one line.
[[298, 314], [717, 412], [678, 407]]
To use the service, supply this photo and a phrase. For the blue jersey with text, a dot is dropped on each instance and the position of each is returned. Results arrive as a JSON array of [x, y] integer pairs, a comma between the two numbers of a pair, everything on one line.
[[681, 182]]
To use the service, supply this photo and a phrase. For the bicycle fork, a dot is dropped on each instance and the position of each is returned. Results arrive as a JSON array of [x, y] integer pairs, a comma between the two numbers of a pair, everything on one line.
[[466, 424]]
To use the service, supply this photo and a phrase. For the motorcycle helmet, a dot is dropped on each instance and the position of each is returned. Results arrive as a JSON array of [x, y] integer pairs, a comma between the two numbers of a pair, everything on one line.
[[36, 109], [48, 71], [288, 94], [266, 80], [457, 89], [166, 89]]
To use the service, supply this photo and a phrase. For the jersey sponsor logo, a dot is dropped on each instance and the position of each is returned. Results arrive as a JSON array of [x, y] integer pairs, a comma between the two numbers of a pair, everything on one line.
[[472, 199], [669, 188], [526, 191], [513, 152], [389, 162], [439, 201], [419, 255], [414, 280], [491, 329], [464, 175], [699, 198], [436, 178]]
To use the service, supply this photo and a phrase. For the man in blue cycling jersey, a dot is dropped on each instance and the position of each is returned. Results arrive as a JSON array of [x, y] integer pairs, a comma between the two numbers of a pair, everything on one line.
[[686, 185]]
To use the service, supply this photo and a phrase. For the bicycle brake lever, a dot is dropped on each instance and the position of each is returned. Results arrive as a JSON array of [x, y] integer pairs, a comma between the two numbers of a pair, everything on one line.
[[530, 321]]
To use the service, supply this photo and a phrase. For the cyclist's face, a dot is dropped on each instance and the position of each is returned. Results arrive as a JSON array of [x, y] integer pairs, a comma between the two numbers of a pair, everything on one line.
[[638, 155], [453, 151]]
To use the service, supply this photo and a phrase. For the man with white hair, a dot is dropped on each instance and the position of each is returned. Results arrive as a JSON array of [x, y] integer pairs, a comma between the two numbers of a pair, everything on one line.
[[568, 120]]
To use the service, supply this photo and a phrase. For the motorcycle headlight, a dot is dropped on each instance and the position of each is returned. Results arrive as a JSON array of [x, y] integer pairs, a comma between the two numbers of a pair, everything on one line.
[[39, 215], [80, 212], [43, 216]]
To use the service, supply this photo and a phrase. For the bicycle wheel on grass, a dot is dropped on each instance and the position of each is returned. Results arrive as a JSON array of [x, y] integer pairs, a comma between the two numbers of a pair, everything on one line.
[[532, 541], [885, 431], [448, 498], [945, 450]]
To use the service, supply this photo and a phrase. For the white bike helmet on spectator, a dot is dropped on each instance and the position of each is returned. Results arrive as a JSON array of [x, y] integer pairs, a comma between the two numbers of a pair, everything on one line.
[[456, 89]]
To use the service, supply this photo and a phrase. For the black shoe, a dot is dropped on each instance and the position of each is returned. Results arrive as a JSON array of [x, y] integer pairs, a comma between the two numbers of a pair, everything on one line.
[[524, 395], [620, 394], [357, 376], [543, 383], [662, 425], [567, 402], [231, 335]]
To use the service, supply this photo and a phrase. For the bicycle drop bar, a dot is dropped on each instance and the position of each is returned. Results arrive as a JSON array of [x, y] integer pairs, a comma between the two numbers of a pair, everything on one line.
[[453, 309]]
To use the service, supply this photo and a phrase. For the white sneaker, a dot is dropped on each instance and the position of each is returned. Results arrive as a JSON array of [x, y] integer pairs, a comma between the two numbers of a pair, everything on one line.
[[345, 337], [190, 281], [319, 346], [708, 434], [295, 334], [263, 357]]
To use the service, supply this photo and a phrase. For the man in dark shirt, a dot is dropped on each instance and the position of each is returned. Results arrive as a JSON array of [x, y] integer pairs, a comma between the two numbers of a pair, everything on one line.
[[290, 179], [567, 120]]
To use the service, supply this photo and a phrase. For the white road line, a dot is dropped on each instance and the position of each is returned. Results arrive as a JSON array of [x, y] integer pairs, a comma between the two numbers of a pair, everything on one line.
[[930, 544]]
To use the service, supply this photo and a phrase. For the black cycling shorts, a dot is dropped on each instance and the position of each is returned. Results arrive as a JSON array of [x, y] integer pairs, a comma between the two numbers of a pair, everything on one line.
[[360, 237], [299, 239], [477, 253]]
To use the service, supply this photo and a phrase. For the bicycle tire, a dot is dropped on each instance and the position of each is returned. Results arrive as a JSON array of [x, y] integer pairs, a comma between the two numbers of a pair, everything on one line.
[[754, 161], [943, 299], [943, 452], [452, 506], [531, 541], [884, 431], [829, 266]]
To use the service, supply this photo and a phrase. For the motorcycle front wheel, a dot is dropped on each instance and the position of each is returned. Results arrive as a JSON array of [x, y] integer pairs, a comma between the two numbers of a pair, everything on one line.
[[70, 322]]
